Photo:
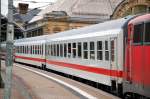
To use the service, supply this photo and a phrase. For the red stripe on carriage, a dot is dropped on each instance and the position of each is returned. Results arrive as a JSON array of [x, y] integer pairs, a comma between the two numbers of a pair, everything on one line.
[[29, 58], [103, 71]]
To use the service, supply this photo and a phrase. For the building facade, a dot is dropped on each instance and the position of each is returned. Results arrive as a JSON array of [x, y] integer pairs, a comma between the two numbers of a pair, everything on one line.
[[18, 31], [72, 14], [131, 7]]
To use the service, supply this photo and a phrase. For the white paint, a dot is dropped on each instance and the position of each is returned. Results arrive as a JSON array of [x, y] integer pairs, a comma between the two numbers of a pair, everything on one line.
[[81, 92], [92, 34]]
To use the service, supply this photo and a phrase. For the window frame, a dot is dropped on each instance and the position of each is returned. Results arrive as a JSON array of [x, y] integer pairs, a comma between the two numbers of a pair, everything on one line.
[[144, 42], [141, 42], [85, 50], [92, 50], [74, 48], [100, 50], [107, 50], [81, 50]]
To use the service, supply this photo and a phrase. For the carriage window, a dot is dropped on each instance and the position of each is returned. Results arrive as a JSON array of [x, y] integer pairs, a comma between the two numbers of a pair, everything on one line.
[[42, 47], [79, 50], [112, 50], [106, 51], [61, 50], [26, 49], [99, 50], [16, 49], [19, 49], [57, 49], [54, 50], [30, 50], [74, 50], [138, 33], [92, 50], [85, 50], [35, 47], [49, 50], [147, 32], [23, 49], [65, 50], [39, 49], [69, 50]]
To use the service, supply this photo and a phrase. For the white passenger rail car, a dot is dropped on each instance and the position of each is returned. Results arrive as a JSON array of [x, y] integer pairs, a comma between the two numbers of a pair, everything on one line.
[[94, 53], [91, 56], [31, 51], [114, 54]]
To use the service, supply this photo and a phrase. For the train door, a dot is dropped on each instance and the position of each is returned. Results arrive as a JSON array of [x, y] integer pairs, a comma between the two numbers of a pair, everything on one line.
[[136, 54], [113, 62], [113, 56], [146, 65]]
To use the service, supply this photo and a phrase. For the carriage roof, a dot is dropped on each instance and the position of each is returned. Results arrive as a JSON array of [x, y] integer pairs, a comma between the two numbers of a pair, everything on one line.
[[98, 28]]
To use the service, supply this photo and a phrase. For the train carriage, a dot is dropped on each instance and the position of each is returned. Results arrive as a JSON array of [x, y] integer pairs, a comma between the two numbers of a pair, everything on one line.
[[114, 53], [31, 51], [94, 53]]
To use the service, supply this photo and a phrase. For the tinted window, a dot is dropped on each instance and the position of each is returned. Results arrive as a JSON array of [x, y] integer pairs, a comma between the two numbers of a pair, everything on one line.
[[79, 50], [99, 45], [112, 50], [92, 50], [147, 32], [69, 50], [99, 50], [85, 50], [57, 49], [138, 33], [65, 50], [85, 47], [106, 51], [61, 50], [74, 50], [54, 50]]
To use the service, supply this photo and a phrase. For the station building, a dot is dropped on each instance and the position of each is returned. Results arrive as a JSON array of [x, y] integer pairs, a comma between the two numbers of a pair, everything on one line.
[[72, 14], [18, 30]]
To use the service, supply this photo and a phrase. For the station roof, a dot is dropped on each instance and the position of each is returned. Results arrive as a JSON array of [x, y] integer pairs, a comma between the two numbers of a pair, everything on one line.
[[91, 9]]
